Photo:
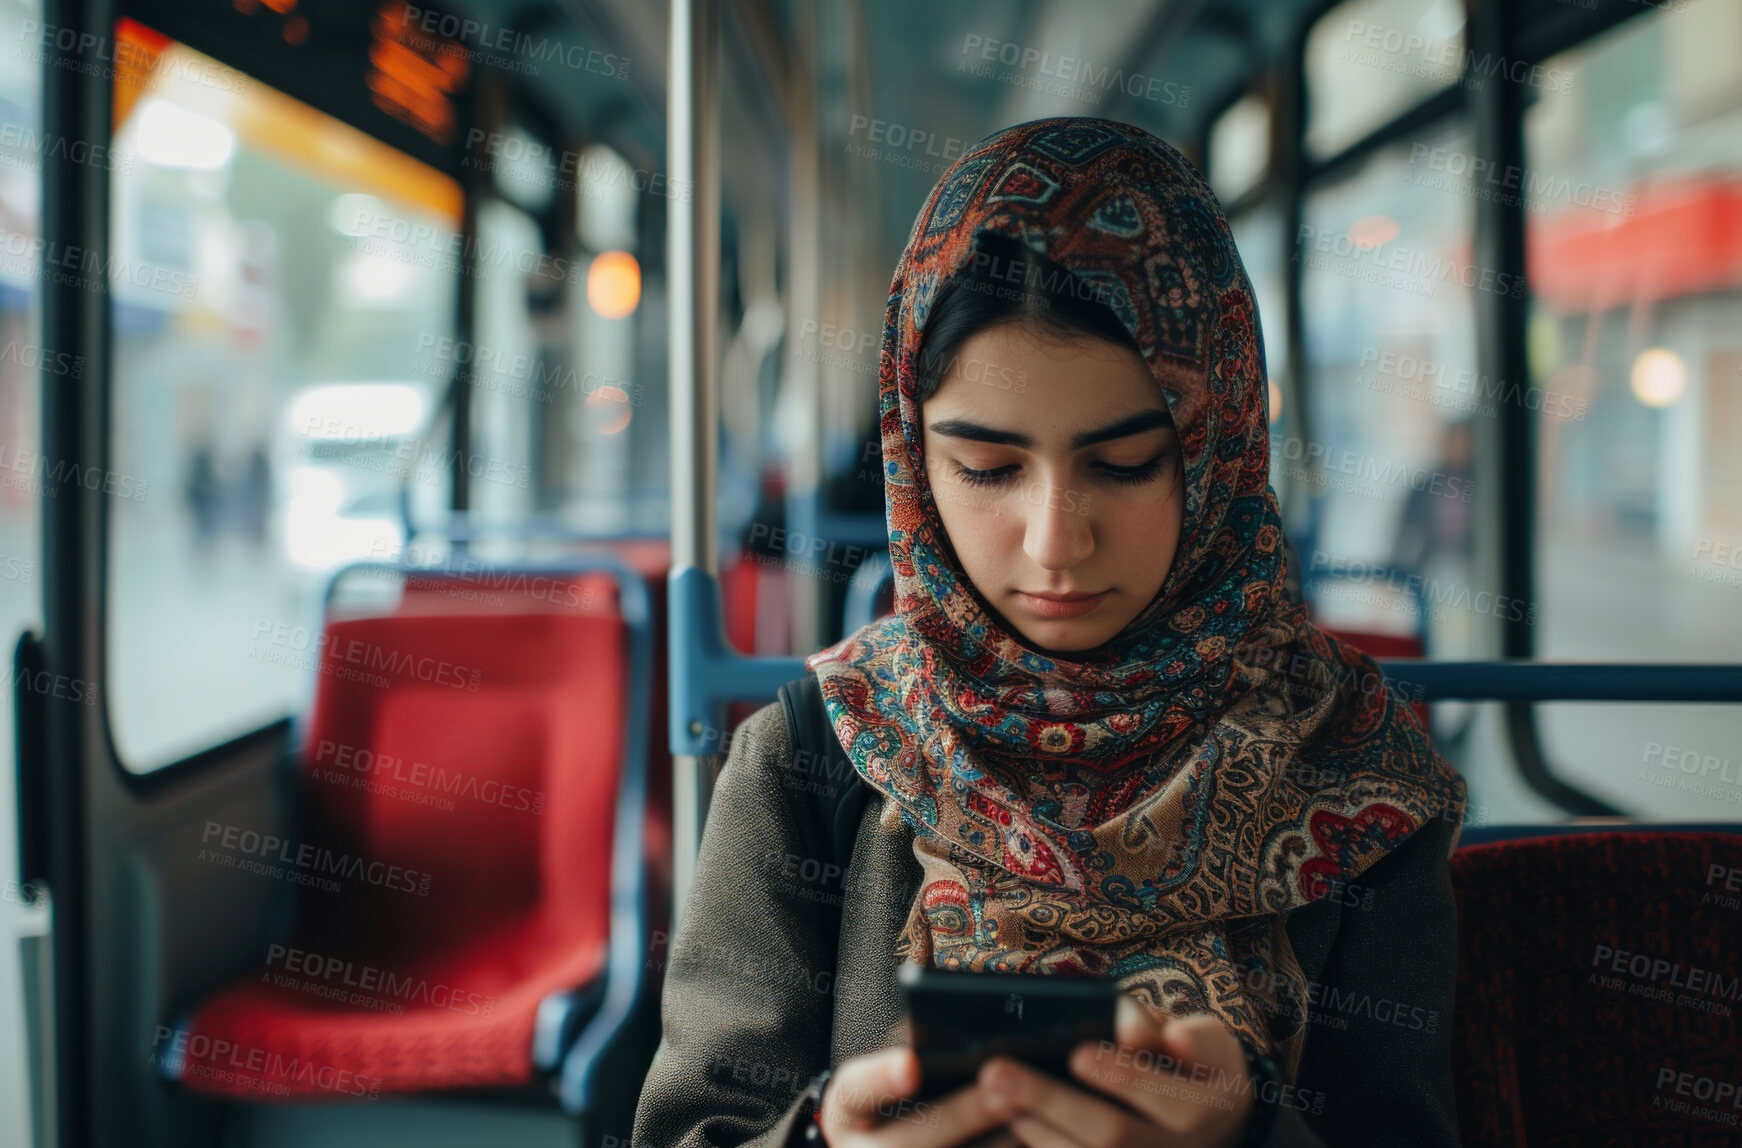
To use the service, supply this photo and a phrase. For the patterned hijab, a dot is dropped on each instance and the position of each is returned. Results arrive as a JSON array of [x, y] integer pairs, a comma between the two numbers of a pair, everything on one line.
[[1148, 810]]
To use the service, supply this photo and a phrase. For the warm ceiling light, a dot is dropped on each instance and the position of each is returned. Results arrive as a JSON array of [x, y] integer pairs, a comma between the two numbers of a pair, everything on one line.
[[614, 284], [1659, 377]]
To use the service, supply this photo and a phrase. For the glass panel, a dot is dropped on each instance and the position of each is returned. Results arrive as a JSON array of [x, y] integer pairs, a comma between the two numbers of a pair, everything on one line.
[[1258, 238], [1634, 193], [1387, 291], [24, 362], [616, 428], [1369, 60], [1240, 148], [275, 272], [509, 385]]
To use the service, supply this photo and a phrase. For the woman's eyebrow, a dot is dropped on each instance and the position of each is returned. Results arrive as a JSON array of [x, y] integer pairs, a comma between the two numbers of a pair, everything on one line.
[[962, 428], [1124, 428]]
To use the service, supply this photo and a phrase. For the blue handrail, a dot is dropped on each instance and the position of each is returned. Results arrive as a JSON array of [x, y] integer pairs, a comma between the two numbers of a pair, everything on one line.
[[706, 673], [1533, 681]]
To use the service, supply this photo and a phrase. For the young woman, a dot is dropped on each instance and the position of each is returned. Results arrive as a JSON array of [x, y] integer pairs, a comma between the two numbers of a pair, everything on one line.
[[1099, 739]]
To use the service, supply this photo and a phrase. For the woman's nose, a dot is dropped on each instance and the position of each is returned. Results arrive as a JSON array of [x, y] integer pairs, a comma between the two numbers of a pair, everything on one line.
[[1058, 534]]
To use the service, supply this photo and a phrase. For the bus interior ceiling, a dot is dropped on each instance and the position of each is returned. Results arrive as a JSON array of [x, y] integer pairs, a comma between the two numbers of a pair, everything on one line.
[[378, 397]]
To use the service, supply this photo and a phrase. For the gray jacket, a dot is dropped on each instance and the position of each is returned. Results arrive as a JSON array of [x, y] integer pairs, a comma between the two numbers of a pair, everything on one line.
[[759, 998]]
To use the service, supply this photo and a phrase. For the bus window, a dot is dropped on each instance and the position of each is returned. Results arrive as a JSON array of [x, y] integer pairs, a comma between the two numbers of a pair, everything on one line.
[[1240, 148], [1259, 239], [1367, 61], [614, 466], [507, 399], [1385, 472], [274, 273], [1633, 191]]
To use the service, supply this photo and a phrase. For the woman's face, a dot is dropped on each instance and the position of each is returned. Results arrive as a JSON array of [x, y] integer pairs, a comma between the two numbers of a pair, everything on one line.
[[1056, 470]]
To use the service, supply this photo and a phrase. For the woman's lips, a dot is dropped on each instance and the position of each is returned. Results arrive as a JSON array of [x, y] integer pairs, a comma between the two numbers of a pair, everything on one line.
[[1061, 605]]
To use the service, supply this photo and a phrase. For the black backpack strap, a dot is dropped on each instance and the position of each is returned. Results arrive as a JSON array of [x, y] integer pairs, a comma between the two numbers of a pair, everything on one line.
[[820, 770]]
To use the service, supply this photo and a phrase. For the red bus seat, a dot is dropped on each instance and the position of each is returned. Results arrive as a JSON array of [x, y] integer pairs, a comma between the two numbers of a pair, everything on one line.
[[1597, 989], [461, 775]]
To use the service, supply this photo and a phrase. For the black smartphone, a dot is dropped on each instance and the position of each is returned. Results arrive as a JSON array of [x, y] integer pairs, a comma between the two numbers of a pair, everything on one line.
[[960, 1019]]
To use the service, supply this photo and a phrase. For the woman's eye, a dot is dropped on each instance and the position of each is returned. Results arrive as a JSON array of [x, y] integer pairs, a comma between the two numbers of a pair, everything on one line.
[[984, 477], [1142, 472]]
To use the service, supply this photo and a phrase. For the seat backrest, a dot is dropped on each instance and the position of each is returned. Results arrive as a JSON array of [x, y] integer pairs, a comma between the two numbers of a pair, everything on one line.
[[1599, 978], [463, 756]]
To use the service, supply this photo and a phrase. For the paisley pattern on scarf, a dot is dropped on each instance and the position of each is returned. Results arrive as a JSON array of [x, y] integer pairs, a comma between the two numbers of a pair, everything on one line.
[[1151, 809]]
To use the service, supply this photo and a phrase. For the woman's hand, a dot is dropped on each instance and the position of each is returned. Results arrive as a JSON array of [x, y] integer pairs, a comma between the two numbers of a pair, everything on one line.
[[1183, 1083], [867, 1104]]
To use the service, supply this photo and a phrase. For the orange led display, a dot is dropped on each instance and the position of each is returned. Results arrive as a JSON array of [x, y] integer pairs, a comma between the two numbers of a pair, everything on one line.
[[413, 74]]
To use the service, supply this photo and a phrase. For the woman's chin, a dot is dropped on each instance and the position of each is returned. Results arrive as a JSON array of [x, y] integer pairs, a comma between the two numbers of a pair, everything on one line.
[[1065, 636]]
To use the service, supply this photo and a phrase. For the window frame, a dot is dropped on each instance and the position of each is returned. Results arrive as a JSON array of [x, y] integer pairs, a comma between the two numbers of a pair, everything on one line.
[[1495, 110], [273, 738]]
